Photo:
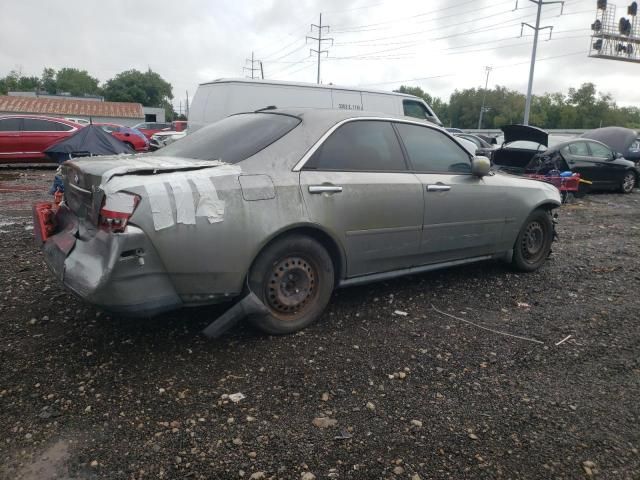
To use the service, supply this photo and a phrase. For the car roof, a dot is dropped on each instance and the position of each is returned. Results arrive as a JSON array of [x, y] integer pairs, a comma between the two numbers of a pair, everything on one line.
[[307, 85], [330, 116]]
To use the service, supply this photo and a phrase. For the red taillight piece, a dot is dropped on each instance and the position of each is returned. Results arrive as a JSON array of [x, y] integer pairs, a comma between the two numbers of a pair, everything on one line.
[[116, 210]]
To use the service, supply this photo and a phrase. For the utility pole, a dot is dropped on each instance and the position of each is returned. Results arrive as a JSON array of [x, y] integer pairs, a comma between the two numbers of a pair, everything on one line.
[[186, 107], [319, 39], [261, 70], [536, 29], [484, 96], [251, 68]]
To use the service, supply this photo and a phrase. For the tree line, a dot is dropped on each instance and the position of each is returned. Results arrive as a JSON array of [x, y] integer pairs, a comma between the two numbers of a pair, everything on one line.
[[147, 88], [579, 108]]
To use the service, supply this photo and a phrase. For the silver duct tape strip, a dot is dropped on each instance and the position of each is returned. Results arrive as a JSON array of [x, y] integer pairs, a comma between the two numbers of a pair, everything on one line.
[[209, 205], [183, 196], [160, 205]]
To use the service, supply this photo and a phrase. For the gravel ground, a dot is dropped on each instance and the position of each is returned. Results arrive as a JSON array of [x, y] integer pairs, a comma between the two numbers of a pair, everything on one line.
[[365, 393]]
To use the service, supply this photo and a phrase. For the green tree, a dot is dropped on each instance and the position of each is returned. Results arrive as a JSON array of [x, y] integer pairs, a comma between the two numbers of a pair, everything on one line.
[[147, 88], [48, 80], [76, 82]]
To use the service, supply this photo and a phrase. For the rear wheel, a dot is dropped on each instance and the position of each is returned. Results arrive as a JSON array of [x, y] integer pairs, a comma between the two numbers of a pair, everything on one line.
[[130, 145], [533, 244], [628, 182], [294, 278]]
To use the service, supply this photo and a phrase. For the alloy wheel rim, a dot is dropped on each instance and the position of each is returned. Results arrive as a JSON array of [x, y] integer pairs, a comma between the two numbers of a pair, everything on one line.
[[291, 285], [628, 182]]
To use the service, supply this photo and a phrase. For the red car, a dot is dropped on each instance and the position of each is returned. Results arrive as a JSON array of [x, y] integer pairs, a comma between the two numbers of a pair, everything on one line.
[[149, 128], [132, 137], [26, 137]]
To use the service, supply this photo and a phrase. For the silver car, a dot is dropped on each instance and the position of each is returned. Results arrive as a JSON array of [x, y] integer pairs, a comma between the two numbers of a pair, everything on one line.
[[286, 205]]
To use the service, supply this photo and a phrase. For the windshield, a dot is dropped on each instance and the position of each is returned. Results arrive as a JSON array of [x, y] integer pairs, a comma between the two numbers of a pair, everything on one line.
[[234, 138], [526, 145]]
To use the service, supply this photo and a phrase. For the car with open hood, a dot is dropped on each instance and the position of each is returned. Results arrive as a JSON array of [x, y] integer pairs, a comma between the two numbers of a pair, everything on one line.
[[286, 205], [621, 140], [531, 150]]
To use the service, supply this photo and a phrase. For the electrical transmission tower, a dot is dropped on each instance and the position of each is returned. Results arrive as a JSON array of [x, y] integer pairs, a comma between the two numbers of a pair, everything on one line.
[[319, 39], [536, 29], [253, 68], [484, 97]]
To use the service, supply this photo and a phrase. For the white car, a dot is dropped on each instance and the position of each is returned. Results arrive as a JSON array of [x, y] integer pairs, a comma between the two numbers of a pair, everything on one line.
[[81, 121], [164, 138]]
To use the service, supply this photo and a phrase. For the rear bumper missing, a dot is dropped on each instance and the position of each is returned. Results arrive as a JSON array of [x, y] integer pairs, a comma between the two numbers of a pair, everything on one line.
[[120, 272]]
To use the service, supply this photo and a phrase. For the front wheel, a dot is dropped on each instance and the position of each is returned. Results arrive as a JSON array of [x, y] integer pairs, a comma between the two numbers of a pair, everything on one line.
[[533, 244], [628, 182], [294, 278]]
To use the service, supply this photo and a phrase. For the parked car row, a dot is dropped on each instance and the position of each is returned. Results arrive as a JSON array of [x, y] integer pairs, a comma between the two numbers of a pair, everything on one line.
[[27, 137], [531, 150]]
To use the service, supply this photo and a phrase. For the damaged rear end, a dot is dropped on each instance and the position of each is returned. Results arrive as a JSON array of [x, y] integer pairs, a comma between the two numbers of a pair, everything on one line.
[[96, 241]]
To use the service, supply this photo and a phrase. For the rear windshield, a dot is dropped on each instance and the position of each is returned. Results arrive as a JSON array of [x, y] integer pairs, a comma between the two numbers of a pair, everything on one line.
[[234, 138]]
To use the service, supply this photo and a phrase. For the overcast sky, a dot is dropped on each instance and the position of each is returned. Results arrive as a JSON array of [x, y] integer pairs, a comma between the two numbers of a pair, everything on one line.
[[439, 45]]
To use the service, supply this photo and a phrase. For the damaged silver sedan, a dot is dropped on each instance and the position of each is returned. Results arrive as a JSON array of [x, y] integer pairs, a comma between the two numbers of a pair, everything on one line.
[[285, 205]]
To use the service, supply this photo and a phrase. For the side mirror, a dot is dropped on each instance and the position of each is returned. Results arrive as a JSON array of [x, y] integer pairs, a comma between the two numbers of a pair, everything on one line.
[[127, 134], [617, 155], [480, 166]]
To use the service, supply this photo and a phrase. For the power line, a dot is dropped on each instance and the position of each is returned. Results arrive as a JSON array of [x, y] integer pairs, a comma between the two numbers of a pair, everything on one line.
[[581, 52], [319, 39]]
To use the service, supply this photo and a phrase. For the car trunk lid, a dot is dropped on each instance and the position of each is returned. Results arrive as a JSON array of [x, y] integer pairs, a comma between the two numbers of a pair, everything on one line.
[[85, 179], [525, 132]]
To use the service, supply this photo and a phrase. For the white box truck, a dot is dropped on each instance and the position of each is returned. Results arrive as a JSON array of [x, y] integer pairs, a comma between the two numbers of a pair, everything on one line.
[[220, 98]]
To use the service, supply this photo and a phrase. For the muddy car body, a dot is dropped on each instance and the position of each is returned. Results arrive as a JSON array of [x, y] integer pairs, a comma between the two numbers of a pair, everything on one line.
[[289, 205]]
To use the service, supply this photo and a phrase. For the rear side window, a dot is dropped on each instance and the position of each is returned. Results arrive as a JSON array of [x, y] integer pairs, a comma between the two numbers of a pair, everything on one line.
[[360, 146], [10, 124], [39, 125], [234, 138], [579, 148], [431, 150]]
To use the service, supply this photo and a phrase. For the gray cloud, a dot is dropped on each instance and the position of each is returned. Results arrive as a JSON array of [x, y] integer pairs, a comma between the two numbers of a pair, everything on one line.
[[196, 40]]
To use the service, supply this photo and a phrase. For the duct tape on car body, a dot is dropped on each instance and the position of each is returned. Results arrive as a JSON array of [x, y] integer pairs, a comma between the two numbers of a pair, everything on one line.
[[183, 196], [187, 207], [209, 205], [160, 205]]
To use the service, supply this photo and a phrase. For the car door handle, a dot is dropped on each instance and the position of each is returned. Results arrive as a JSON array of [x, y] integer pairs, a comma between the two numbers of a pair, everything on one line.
[[324, 189], [438, 188]]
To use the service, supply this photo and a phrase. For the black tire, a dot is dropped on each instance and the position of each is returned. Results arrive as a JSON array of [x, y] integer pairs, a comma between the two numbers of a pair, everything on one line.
[[533, 244], [297, 300], [628, 182], [130, 145]]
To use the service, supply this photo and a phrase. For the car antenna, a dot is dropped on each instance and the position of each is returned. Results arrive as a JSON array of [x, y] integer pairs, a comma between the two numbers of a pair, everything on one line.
[[270, 107]]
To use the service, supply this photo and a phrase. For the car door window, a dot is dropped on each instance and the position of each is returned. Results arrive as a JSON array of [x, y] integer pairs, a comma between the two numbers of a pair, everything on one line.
[[430, 150], [10, 124], [38, 125], [360, 146], [62, 127], [578, 148], [415, 109], [599, 151]]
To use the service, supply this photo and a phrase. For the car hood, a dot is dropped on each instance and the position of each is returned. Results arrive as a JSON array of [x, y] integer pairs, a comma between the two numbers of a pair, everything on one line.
[[525, 132], [616, 138]]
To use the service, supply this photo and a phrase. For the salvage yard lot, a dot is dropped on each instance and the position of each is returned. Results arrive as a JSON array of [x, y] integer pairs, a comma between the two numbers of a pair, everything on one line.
[[87, 395]]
